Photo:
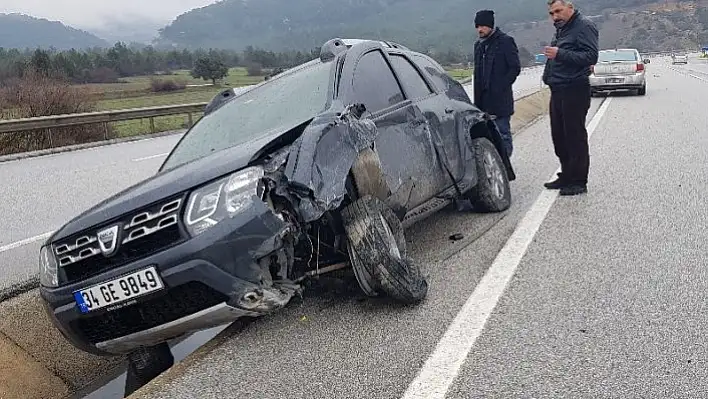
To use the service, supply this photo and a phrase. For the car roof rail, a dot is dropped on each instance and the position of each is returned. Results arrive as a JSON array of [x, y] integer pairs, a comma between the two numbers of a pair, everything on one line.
[[219, 100], [331, 48], [348, 43], [398, 46]]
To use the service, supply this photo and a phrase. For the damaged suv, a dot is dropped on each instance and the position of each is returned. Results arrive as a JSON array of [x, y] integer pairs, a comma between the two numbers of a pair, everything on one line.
[[319, 168]]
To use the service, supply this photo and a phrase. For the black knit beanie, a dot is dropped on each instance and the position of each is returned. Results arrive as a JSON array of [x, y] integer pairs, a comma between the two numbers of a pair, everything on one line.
[[484, 18]]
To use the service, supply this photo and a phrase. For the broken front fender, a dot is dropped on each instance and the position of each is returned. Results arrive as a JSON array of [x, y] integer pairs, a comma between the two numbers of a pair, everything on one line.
[[320, 160], [478, 124]]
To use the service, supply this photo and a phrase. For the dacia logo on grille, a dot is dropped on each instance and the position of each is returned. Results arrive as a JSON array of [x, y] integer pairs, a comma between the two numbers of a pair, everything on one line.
[[108, 240]]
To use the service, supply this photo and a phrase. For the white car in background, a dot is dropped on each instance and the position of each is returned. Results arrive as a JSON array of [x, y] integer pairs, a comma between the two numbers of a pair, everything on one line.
[[619, 70]]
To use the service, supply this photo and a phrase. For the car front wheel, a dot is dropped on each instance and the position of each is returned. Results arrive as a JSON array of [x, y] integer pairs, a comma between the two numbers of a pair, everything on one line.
[[492, 192], [377, 250]]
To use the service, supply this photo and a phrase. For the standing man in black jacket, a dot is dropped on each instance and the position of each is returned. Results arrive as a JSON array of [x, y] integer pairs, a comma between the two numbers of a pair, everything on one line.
[[496, 67], [572, 52]]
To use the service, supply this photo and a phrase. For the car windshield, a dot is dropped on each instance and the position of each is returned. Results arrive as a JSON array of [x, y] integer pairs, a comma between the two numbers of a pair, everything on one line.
[[282, 103], [618, 55]]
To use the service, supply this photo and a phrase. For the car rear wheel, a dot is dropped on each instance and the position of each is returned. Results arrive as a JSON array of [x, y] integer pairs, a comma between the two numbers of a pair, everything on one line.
[[377, 250], [642, 91], [492, 193]]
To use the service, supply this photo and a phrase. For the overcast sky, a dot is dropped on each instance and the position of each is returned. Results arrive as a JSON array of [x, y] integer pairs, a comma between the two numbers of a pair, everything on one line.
[[87, 14]]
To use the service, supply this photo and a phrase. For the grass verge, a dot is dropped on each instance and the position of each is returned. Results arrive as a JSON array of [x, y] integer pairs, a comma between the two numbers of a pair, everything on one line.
[[40, 362]]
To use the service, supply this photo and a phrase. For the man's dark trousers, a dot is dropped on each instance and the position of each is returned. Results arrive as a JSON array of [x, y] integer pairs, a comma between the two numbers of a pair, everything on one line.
[[504, 125], [568, 111]]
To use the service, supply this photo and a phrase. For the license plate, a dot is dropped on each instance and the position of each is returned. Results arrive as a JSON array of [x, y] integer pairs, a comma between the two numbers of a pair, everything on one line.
[[614, 80], [119, 290]]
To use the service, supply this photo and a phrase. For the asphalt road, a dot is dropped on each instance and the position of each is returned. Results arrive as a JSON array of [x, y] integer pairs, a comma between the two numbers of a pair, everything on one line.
[[594, 296], [40, 194]]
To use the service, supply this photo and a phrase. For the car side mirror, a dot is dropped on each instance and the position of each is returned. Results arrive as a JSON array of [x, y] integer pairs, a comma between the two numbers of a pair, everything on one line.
[[647, 61]]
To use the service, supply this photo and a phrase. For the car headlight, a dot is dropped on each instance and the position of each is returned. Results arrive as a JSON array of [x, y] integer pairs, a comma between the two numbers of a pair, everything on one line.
[[221, 199], [48, 275]]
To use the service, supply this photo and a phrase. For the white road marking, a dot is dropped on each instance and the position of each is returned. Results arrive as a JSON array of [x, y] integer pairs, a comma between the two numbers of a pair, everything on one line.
[[24, 242], [697, 77], [441, 368], [688, 72], [150, 157]]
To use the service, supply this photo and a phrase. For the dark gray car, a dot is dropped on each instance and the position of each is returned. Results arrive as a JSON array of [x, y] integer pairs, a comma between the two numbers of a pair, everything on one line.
[[319, 168]]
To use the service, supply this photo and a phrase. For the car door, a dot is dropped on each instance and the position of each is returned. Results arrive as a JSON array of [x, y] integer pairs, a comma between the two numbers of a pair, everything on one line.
[[440, 113], [404, 143]]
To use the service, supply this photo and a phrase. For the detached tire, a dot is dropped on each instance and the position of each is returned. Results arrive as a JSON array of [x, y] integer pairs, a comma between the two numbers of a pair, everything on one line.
[[492, 192], [377, 250]]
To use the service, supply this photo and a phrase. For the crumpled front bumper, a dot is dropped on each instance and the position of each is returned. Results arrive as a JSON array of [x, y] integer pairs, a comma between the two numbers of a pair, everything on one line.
[[210, 280]]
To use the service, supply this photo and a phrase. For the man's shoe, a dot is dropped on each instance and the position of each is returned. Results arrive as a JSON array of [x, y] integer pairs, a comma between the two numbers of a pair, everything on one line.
[[556, 184], [574, 189]]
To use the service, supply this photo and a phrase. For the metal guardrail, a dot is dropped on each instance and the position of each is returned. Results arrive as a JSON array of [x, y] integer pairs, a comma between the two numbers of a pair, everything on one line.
[[104, 117]]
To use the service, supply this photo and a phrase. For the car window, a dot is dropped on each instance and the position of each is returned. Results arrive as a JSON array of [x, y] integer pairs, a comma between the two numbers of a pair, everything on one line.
[[619, 55], [433, 70], [445, 83], [374, 83], [410, 77], [282, 103]]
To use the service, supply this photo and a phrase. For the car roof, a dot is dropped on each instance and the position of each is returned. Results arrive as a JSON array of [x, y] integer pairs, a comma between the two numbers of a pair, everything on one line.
[[384, 43], [333, 47], [328, 52]]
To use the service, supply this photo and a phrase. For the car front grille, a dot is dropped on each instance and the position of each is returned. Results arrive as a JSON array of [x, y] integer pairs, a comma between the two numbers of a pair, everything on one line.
[[178, 302], [140, 234]]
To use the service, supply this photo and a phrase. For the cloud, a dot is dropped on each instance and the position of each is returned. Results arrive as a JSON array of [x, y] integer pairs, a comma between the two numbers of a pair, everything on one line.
[[91, 14]]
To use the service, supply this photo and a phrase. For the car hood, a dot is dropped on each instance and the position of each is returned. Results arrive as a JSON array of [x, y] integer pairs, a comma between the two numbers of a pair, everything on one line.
[[170, 182]]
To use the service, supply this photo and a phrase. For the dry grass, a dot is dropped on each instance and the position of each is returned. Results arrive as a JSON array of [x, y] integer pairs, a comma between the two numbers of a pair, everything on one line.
[[140, 85], [529, 108], [36, 95], [164, 123]]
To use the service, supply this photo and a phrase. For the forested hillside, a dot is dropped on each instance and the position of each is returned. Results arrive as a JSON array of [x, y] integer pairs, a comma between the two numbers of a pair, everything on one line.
[[432, 25], [285, 24], [21, 31], [444, 28], [659, 26]]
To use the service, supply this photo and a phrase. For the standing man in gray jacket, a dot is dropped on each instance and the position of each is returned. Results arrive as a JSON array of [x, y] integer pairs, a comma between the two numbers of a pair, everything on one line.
[[572, 53]]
